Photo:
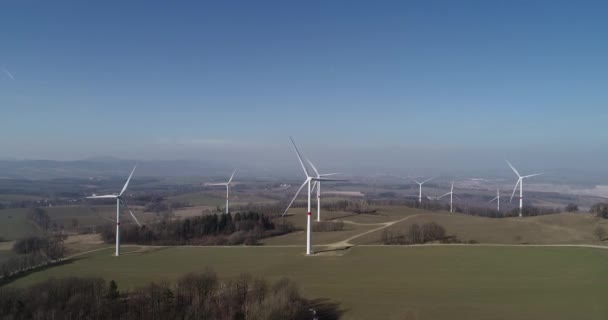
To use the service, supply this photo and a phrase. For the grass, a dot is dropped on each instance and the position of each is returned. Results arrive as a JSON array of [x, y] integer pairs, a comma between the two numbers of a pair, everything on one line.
[[389, 282], [551, 229], [214, 200], [14, 224], [18, 197], [93, 216]]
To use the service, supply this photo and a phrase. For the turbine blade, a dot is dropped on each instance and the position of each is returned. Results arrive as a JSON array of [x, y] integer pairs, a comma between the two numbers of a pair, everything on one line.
[[294, 197], [216, 184], [452, 190], [515, 189], [299, 157], [427, 180], [232, 176], [323, 179], [132, 215], [108, 196], [329, 174], [531, 175], [313, 167], [314, 185], [415, 180], [493, 199], [514, 170], [443, 195], [127, 183]]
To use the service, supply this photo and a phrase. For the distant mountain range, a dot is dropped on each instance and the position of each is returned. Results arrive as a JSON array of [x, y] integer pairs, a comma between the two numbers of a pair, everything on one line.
[[106, 167]]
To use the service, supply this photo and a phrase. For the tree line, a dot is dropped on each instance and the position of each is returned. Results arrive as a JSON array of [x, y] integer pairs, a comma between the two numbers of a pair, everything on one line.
[[224, 229], [39, 217], [418, 234], [193, 296], [600, 209], [33, 252]]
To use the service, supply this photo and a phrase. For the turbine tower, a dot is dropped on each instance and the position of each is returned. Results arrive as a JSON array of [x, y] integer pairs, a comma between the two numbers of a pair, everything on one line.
[[317, 184], [307, 182], [227, 184], [520, 183], [119, 201], [497, 198], [451, 193], [420, 185]]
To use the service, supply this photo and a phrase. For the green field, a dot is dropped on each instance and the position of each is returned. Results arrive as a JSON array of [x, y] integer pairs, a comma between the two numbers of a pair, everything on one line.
[[15, 225], [390, 282], [86, 216], [217, 199], [18, 197], [562, 228]]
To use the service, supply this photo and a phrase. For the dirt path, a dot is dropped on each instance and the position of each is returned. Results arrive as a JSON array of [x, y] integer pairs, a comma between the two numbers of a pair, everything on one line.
[[346, 243], [383, 225]]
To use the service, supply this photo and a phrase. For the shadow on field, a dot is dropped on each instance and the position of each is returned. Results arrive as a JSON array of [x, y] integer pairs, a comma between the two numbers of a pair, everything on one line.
[[144, 250], [334, 249], [325, 310], [344, 216], [8, 280]]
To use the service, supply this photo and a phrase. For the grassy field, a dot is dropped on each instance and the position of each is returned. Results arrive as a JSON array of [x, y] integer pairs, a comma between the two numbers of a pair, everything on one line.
[[18, 197], [214, 200], [390, 282], [550, 229], [15, 225], [86, 216]]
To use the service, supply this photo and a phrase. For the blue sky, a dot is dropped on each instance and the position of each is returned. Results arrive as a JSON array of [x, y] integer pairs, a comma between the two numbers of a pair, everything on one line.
[[517, 79]]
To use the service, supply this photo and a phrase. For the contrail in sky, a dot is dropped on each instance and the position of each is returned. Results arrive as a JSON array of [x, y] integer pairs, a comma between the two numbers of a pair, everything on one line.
[[10, 75]]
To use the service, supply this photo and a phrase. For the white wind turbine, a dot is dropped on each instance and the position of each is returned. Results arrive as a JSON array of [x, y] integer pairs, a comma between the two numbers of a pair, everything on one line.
[[420, 185], [317, 184], [227, 184], [308, 180], [520, 182], [497, 198], [119, 201], [451, 193]]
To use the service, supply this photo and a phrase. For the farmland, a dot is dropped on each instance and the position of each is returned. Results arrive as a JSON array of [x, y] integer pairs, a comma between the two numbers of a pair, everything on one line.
[[397, 282]]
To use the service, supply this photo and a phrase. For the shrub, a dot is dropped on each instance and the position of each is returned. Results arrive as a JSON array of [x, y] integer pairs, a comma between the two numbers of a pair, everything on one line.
[[600, 233]]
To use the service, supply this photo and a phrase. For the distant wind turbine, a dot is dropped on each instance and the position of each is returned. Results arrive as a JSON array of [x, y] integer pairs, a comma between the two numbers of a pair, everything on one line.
[[308, 180], [451, 193], [420, 185], [227, 184], [317, 184], [520, 182], [119, 202], [497, 198]]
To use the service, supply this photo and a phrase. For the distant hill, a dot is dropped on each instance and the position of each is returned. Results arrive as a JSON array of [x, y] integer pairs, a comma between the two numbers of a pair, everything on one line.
[[106, 166]]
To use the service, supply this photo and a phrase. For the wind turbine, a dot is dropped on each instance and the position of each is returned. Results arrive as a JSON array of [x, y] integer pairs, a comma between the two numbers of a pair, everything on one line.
[[420, 184], [317, 184], [119, 201], [308, 180], [451, 193], [227, 184], [520, 182], [497, 198]]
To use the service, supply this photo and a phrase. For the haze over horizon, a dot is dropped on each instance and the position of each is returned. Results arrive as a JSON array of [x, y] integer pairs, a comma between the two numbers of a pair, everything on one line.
[[417, 85]]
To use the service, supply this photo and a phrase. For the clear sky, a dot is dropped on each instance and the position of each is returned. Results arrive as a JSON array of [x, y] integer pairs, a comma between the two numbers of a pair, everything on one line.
[[394, 81]]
